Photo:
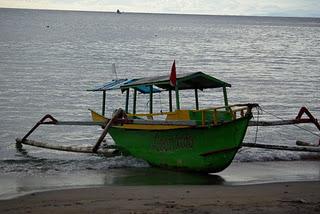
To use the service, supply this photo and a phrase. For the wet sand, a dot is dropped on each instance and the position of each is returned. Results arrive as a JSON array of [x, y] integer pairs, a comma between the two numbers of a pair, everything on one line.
[[238, 173], [242, 188], [289, 197]]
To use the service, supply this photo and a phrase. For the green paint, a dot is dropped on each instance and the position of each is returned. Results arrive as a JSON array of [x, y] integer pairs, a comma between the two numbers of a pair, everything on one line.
[[208, 147], [203, 149], [223, 116]]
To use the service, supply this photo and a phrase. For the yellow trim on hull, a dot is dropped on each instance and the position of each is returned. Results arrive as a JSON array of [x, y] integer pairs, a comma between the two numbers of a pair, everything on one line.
[[96, 117]]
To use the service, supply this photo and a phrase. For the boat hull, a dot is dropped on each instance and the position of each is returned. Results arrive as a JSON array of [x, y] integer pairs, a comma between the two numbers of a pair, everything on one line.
[[202, 149]]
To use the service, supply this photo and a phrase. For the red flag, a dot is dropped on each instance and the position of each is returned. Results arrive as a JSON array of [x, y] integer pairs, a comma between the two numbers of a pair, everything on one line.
[[173, 75]]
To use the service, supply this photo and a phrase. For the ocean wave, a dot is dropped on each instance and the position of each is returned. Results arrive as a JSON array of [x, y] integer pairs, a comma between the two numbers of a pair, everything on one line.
[[33, 165]]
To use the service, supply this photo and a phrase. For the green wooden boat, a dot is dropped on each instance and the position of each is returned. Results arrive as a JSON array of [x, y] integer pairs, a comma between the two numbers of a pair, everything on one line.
[[203, 140]]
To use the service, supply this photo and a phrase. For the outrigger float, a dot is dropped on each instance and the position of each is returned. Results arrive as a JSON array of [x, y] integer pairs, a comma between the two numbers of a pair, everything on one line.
[[203, 140]]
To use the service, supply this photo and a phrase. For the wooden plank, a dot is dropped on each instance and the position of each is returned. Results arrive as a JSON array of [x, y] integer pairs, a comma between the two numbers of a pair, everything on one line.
[[282, 147], [87, 149]]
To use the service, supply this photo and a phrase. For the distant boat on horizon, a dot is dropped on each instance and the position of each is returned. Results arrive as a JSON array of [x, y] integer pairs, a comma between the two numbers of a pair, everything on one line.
[[118, 11]]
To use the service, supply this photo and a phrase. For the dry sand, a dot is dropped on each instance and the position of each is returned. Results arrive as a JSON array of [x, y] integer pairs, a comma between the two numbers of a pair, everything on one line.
[[292, 197]]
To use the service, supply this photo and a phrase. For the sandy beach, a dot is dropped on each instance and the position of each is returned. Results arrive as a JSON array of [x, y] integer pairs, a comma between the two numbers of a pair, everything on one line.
[[288, 197], [254, 187]]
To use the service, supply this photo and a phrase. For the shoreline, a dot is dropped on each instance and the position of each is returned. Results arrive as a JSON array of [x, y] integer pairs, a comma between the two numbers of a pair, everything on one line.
[[237, 174], [284, 197]]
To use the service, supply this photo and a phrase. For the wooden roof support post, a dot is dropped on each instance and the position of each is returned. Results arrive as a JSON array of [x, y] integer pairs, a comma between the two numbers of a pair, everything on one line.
[[103, 103], [134, 101], [225, 96], [170, 100], [151, 100], [127, 100], [197, 100], [177, 96]]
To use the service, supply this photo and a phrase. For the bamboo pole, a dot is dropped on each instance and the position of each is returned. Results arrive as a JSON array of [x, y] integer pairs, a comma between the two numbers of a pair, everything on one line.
[[106, 129], [76, 123], [87, 149], [282, 147], [278, 122]]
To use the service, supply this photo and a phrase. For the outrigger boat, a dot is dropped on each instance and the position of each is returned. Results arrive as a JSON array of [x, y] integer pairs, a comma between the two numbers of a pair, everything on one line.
[[203, 140], [197, 139]]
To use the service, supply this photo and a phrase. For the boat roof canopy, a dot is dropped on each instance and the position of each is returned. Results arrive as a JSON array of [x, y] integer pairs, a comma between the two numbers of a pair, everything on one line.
[[116, 84], [112, 85], [196, 80]]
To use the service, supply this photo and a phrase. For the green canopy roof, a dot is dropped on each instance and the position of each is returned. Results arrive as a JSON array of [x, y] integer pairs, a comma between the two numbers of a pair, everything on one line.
[[196, 80]]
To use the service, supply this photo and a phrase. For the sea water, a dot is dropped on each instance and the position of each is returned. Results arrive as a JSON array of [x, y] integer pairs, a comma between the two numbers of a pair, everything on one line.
[[48, 59]]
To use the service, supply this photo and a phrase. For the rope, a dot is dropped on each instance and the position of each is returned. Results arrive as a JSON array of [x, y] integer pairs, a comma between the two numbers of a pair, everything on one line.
[[318, 135], [242, 149]]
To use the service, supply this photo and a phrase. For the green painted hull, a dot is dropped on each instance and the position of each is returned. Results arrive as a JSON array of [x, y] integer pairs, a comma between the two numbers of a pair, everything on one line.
[[205, 149]]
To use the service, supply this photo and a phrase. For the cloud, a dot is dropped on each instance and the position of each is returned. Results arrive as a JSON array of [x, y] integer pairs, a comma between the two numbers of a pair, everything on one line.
[[214, 7]]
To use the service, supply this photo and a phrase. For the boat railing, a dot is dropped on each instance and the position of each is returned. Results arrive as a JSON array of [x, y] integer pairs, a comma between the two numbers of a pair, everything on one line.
[[223, 113], [214, 115]]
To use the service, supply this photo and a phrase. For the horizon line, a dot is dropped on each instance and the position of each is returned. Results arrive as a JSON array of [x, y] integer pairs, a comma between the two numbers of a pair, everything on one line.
[[157, 13]]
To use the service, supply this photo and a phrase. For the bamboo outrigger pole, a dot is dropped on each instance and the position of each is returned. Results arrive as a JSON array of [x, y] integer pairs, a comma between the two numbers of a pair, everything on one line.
[[119, 117], [48, 119], [283, 147], [109, 152]]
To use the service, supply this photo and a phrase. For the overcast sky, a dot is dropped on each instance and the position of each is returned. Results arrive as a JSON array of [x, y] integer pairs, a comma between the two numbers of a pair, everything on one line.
[[310, 8]]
